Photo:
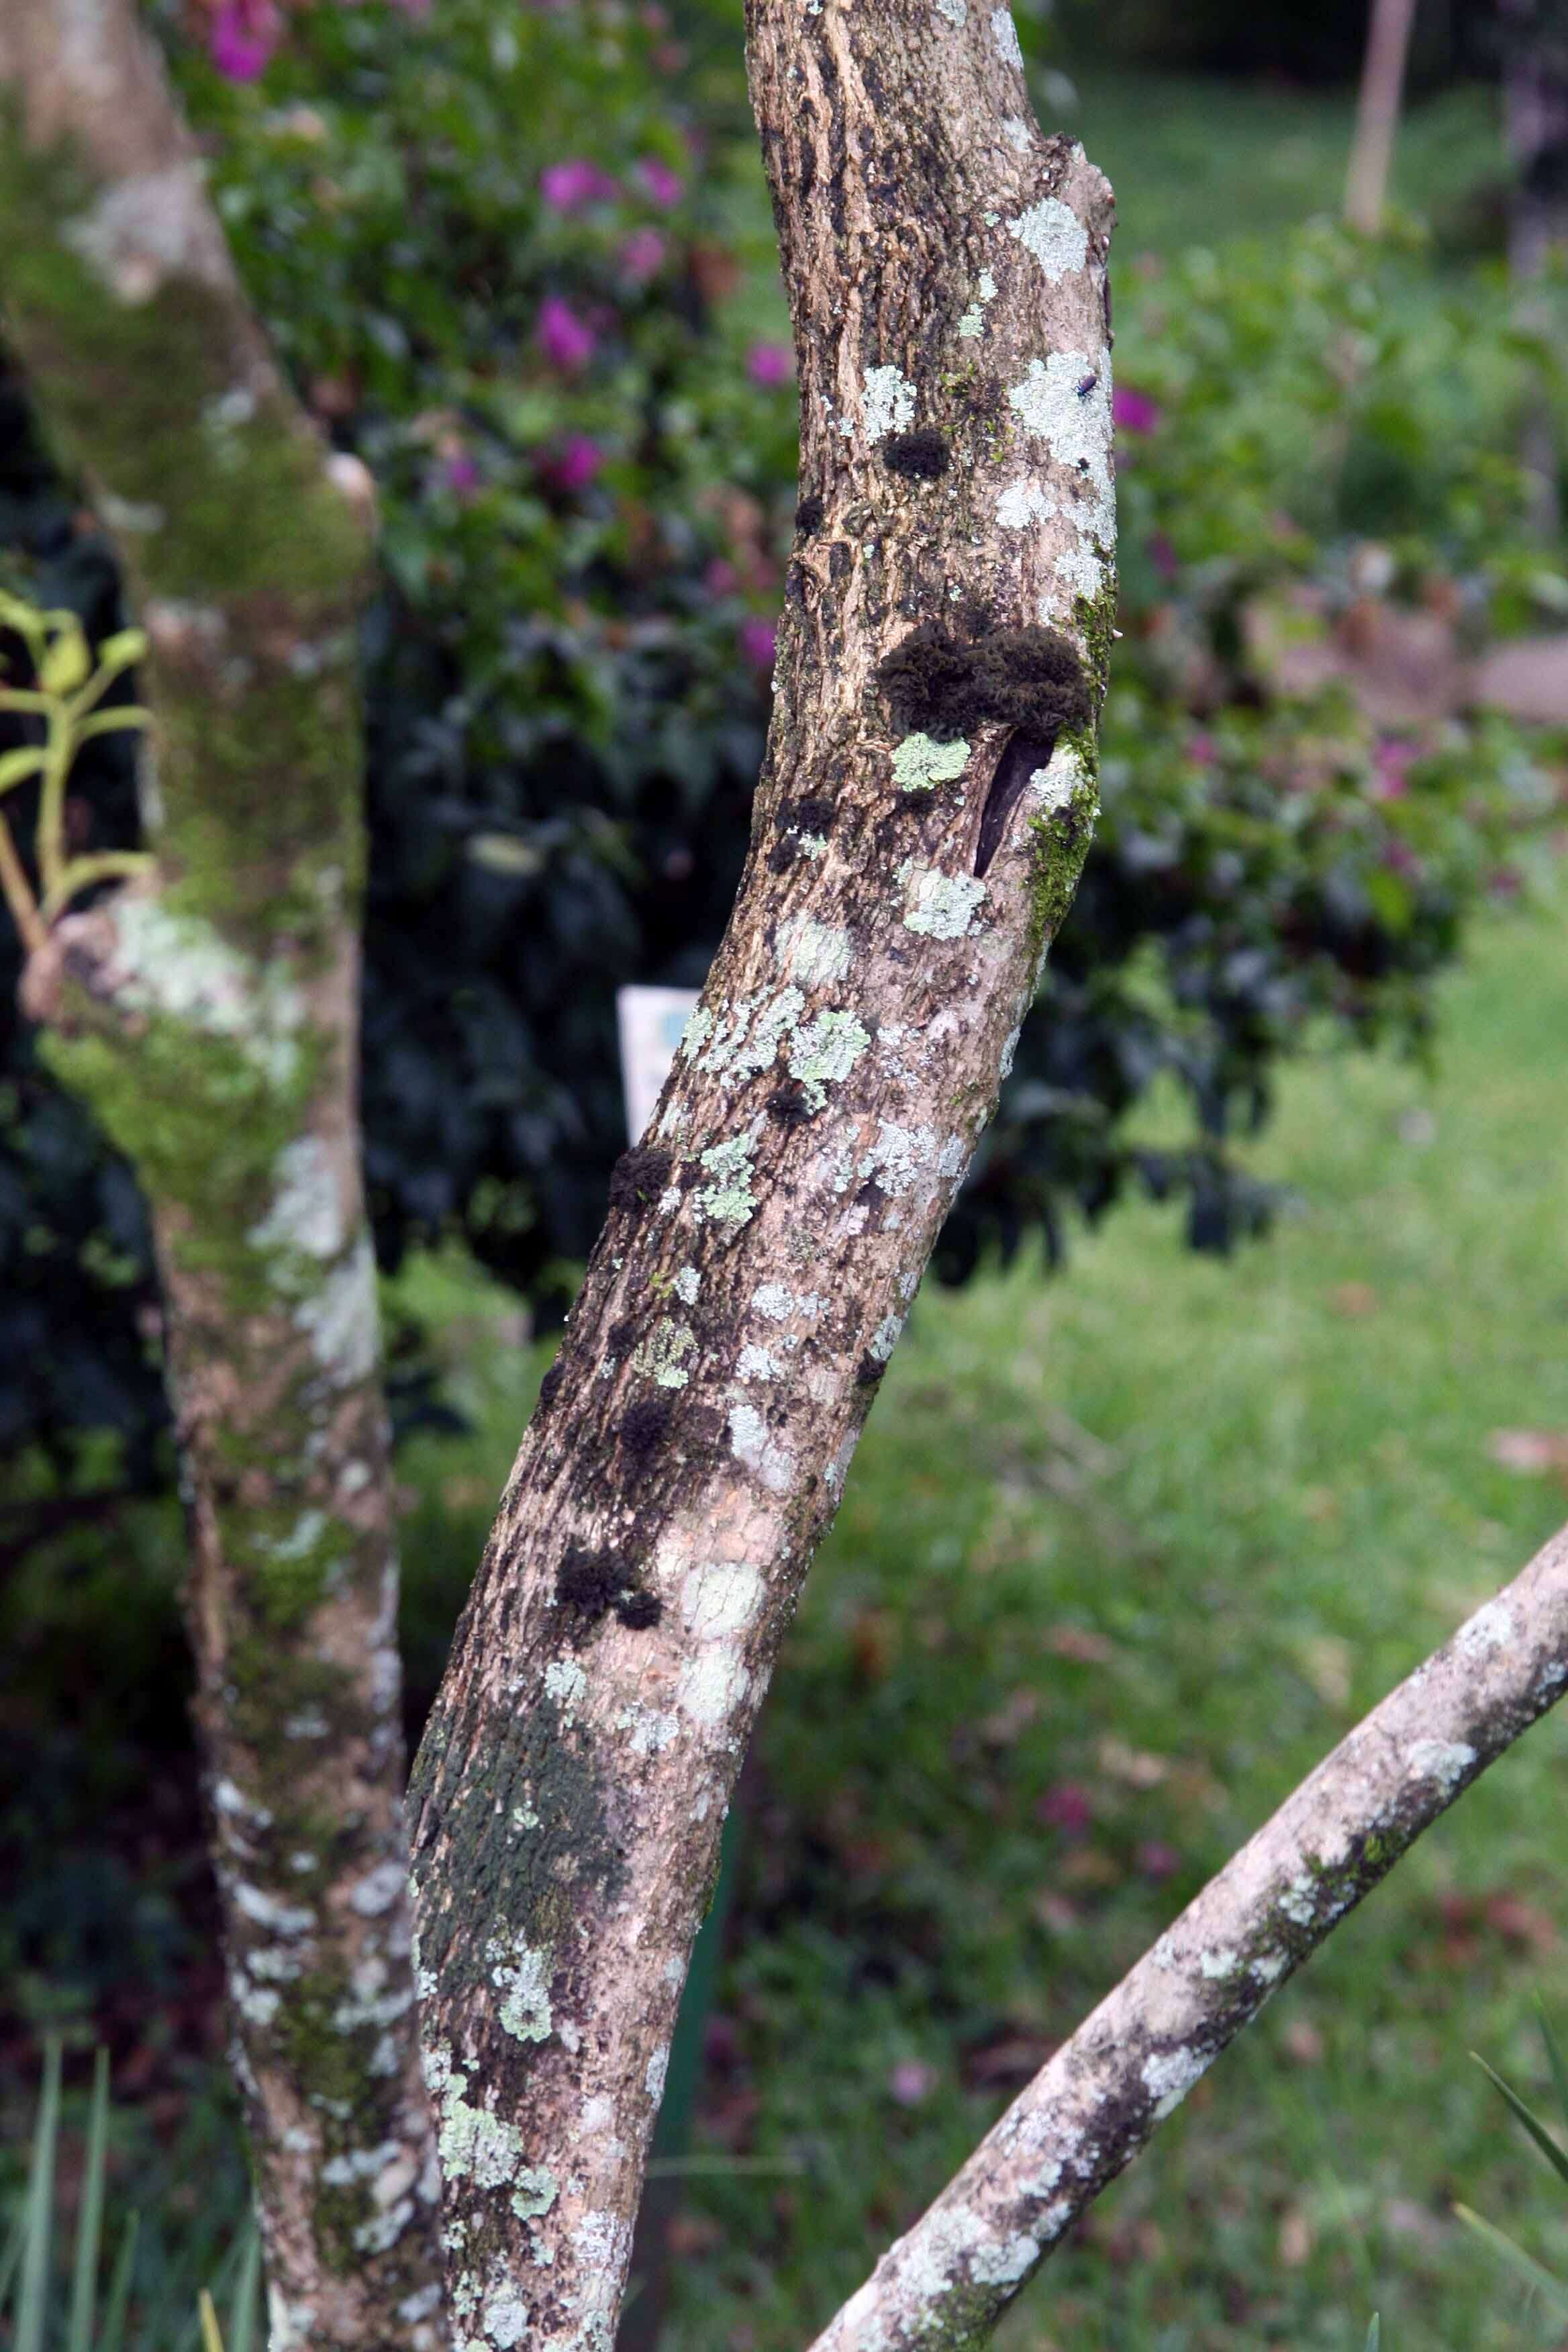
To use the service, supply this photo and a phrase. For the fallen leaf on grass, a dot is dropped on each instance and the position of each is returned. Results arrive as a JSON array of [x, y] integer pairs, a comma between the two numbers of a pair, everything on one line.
[[1135, 1766], [1355, 1300], [1531, 1451], [1297, 2237], [1013, 1716], [1303, 2040], [1077, 1642]]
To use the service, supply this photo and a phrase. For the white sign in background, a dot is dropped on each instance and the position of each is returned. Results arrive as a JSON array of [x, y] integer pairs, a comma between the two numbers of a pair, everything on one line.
[[650, 1020]]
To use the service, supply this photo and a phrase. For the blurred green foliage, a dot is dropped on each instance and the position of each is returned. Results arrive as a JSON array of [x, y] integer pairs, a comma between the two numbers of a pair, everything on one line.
[[519, 261]]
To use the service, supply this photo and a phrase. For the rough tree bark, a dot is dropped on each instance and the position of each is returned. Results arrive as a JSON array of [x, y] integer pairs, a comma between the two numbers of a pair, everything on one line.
[[918, 835], [1091, 2109], [209, 1014]]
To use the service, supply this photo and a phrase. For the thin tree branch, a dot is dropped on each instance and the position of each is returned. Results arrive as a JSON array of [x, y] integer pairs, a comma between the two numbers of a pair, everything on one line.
[[1089, 2111], [1377, 113]]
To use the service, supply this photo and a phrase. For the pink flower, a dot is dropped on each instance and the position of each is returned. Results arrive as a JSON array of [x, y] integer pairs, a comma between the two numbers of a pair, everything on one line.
[[1157, 1860], [575, 464], [770, 364], [910, 2082], [719, 577], [566, 340], [244, 35], [1133, 411], [1391, 769], [642, 256], [759, 641], [566, 187], [662, 184], [1066, 1806], [1201, 748], [461, 475]]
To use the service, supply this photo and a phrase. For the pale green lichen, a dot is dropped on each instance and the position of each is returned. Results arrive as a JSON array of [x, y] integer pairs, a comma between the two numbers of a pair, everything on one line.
[[815, 953], [729, 1199], [826, 1051], [943, 905], [920, 763], [662, 1355], [890, 403], [521, 1974], [1056, 237]]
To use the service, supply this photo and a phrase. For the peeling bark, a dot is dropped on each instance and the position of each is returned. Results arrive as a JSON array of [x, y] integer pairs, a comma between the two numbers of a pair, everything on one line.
[[209, 1016], [1087, 2114], [921, 824]]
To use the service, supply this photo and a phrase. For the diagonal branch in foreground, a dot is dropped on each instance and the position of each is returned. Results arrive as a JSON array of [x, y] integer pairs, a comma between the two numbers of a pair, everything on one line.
[[1088, 2114]]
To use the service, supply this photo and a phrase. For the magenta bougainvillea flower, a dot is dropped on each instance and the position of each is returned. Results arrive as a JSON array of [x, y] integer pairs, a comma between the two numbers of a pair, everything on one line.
[[1391, 769], [566, 340], [575, 463], [662, 184], [244, 35], [1133, 411], [759, 641], [770, 364], [566, 187]]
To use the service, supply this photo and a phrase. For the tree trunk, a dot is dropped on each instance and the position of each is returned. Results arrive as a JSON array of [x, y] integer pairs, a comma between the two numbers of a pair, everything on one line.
[[1535, 104], [1377, 113], [918, 835], [208, 1015]]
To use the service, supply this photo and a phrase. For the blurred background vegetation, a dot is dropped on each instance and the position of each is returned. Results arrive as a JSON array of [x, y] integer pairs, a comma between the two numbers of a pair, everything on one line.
[[1121, 1553]]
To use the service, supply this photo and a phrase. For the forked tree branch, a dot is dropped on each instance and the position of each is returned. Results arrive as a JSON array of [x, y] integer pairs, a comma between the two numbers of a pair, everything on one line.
[[1089, 2112]]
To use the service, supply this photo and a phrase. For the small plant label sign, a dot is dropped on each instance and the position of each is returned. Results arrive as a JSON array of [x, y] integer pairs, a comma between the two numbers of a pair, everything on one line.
[[650, 1020]]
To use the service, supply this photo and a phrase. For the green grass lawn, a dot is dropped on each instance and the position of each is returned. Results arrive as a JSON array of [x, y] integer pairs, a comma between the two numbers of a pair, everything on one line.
[[1194, 161]]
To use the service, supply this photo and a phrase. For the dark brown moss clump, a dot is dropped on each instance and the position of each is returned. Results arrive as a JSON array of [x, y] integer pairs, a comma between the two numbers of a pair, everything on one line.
[[808, 514], [591, 1581], [639, 1610], [638, 1177], [647, 1424], [922, 457], [1031, 679]]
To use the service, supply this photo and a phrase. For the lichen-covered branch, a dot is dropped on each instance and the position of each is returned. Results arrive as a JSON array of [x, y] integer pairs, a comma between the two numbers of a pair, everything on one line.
[[923, 812], [209, 1014], [1088, 2112]]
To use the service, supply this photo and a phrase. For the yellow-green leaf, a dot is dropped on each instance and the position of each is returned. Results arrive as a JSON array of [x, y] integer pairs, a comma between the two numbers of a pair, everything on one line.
[[68, 663]]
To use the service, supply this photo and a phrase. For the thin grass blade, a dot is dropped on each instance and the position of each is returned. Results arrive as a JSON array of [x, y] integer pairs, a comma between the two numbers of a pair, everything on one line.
[[113, 2334], [242, 2321], [1558, 2064], [1537, 2130], [212, 2334], [1374, 2333], [89, 2222], [1551, 2290], [33, 2297]]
